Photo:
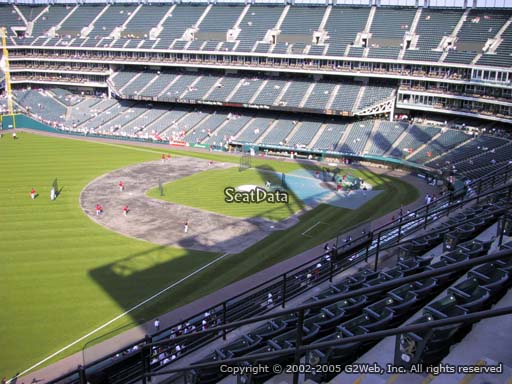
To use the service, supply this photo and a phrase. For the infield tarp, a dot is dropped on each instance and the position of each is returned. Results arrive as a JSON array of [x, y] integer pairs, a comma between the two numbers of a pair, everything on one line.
[[312, 191]]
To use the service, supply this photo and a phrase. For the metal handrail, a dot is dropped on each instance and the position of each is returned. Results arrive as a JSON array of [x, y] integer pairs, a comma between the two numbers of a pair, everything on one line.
[[462, 319], [299, 349], [343, 296], [384, 228]]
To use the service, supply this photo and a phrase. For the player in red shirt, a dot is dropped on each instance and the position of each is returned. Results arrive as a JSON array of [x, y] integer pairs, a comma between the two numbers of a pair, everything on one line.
[[98, 209], [121, 186], [125, 210], [33, 193], [163, 157], [169, 156]]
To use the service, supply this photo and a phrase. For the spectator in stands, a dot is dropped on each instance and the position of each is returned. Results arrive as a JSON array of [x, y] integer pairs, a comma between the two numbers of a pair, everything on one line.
[[317, 270], [269, 299], [161, 358], [309, 278]]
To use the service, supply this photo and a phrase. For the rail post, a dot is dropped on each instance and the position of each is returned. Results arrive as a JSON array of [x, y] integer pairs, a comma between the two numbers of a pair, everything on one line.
[[377, 252], [284, 290], [298, 344], [81, 374], [224, 316]]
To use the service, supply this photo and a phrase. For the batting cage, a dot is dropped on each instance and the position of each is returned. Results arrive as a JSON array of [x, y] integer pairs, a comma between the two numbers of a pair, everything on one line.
[[245, 162]]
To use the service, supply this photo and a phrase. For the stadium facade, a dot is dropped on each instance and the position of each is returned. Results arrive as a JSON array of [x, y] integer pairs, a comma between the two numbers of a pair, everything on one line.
[[450, 57]]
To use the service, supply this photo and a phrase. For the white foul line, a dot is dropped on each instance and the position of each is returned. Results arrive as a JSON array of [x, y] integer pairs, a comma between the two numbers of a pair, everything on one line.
[[119, 316], [313, 226]]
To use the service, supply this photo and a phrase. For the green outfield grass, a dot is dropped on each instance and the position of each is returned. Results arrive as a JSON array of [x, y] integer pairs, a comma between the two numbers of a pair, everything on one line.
[[47, 248], [54, 257], [205, 190]]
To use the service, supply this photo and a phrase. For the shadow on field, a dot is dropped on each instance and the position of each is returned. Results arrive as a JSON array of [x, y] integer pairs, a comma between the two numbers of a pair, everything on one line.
[[143, 275], [138, 277]]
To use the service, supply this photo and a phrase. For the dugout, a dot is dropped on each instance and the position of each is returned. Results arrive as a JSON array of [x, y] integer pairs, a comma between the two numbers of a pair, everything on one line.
[[348, 182]]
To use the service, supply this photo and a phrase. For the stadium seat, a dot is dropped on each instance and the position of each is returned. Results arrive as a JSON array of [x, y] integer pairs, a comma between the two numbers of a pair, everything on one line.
[[208, 375]]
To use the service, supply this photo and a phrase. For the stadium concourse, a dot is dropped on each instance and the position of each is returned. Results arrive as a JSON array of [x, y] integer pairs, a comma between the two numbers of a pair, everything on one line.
[[421, 88]]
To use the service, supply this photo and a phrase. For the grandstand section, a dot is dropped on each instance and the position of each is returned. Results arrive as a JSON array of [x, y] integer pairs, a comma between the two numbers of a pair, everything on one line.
[[436, 146], [466, 45], [330, 96]]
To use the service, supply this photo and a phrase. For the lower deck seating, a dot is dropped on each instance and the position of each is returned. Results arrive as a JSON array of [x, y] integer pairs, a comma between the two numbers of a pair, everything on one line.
[[330, 136], [41, 104], [438, 148], [357, 137]]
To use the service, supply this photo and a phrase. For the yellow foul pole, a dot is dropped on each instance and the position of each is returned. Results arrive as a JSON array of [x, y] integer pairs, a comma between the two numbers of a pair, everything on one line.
[[7, 75]]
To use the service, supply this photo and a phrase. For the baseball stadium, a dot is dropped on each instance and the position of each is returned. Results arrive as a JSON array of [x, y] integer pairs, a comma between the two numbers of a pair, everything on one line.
[[258, 191]]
